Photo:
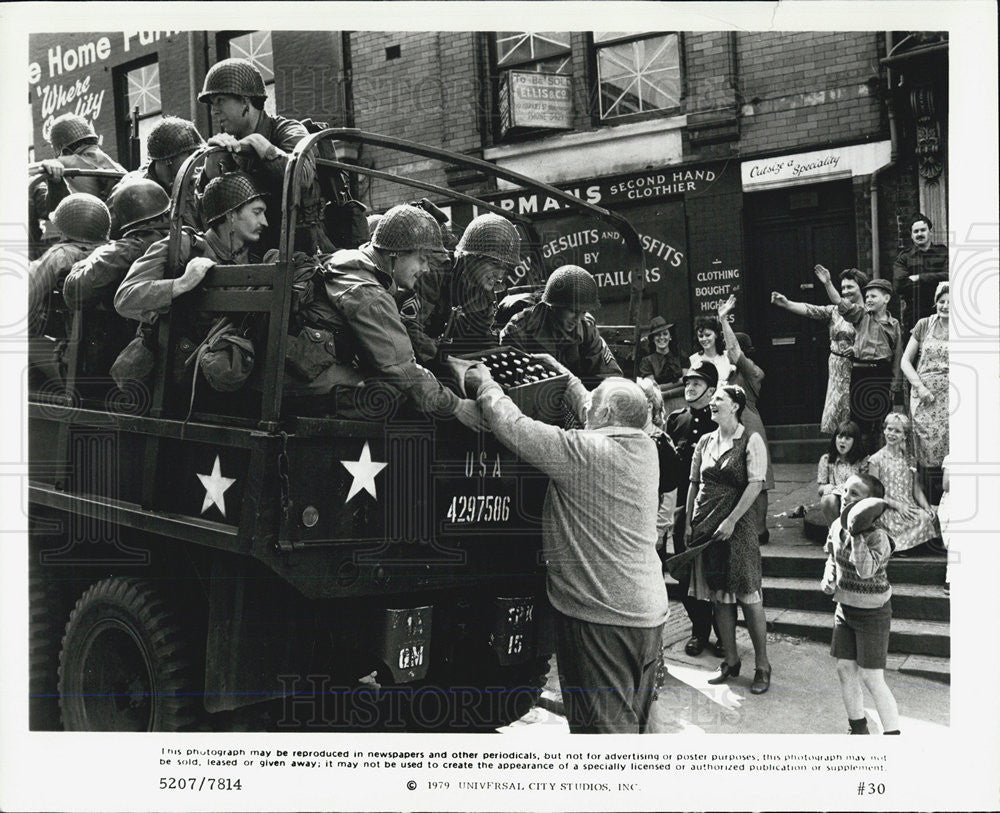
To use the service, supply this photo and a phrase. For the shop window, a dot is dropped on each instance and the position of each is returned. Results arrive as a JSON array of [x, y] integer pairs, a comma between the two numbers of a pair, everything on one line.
[[137, 94], [542, 51], [255, 46], [637, 72]]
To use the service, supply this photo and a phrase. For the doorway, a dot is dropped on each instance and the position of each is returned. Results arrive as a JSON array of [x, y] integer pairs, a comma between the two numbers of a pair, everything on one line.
[[788, 232]]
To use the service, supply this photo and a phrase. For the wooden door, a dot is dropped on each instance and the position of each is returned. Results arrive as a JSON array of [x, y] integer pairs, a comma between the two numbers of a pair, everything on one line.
[[788, 232]]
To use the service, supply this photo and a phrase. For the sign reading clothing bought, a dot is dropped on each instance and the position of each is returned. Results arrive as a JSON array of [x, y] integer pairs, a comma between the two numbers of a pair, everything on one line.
[[812, 167]]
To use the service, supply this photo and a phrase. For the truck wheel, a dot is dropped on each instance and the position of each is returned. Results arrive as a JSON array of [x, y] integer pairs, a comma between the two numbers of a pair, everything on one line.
[[125, 664], [47, 614]]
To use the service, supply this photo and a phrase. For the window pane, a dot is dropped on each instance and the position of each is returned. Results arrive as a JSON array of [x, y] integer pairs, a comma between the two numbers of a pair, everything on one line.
[[639, 76], [604, 36], [143, 89], [514, 47], [256, 47]]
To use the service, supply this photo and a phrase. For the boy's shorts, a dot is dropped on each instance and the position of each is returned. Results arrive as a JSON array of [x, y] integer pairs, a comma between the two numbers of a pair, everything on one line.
[[862, 635]]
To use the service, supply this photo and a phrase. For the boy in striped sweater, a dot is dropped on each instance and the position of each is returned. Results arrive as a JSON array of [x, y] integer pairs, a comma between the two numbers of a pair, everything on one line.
[[858, 550]]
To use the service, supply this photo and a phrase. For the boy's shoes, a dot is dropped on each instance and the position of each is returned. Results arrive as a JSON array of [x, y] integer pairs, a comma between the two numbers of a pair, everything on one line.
[[718, 649]]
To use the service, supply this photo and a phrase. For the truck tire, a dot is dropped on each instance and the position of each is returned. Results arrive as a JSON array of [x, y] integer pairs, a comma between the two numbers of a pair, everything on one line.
[[125, 664], [47, 614]]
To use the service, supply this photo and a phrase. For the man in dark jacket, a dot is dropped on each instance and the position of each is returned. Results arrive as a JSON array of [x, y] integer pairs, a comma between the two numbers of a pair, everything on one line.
[[916, 274], [685, 427], [142, 210], [234, 89], [562, 326]]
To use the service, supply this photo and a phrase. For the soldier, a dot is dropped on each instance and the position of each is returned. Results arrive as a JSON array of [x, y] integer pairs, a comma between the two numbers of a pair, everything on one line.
[[261, 145], [357, 307], [74, 143], [84, 222], [562, 326], [168, 146], [142, 208], [461, 311], [234, 210]]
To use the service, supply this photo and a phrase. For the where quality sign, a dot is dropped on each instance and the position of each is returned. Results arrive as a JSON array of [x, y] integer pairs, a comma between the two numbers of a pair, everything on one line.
[[530, 99]]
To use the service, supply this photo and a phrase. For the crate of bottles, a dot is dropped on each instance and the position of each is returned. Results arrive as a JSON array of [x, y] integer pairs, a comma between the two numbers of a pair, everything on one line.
[[533, 385]]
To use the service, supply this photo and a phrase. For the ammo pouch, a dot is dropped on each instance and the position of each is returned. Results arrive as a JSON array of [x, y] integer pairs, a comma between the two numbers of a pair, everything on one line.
[[136, 360], [310, 353]]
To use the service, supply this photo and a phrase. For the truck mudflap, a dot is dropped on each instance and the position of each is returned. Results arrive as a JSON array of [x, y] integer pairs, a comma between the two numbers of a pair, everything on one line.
[[513, 635], [405, 642]]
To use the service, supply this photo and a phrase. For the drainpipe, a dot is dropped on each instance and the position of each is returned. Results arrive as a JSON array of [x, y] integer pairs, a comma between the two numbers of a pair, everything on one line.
[[893, 151]]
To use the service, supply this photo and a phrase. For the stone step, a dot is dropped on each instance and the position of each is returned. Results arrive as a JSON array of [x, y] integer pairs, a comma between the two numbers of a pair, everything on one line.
[[907, 636], [914, 601], [806, 562]]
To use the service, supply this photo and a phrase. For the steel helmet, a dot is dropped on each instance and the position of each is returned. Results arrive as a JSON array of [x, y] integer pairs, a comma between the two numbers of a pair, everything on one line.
[[68, 129], [137, 201], [226, 194], [82, 217], [373, 222], [408, 228], [491, 236], [237, 77], [571, 287], [171, 137]]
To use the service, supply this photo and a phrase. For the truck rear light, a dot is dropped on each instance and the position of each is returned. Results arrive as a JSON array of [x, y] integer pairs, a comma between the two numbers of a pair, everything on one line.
[[310, 516]]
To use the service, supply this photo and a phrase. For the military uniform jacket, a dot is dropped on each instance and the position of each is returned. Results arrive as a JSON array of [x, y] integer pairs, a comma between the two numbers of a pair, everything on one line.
[[94, 280], [583, 351], [360, 310], [269, 174], [45, 275]]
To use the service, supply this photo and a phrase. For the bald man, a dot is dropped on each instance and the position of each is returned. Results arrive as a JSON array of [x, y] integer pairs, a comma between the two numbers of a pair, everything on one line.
[[605, 581]]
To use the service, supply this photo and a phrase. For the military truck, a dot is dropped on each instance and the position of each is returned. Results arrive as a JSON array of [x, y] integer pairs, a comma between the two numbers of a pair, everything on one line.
[[249, 569]]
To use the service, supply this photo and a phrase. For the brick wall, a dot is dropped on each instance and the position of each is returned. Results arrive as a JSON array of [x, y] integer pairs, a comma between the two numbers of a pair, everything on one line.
[[430, 94], [806, 89]]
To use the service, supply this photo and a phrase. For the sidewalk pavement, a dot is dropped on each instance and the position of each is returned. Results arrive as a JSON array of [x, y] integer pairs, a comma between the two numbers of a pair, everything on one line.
[[805, 693]]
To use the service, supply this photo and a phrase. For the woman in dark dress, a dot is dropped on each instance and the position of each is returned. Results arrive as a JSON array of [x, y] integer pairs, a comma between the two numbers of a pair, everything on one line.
[[727, 474], [664, 363]]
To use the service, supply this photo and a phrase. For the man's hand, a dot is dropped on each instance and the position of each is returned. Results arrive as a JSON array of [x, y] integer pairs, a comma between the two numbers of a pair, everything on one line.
[[550, 361], [53, 169], [472, 374], [468, 413], [193, 274], [226, 141], [822, 274]]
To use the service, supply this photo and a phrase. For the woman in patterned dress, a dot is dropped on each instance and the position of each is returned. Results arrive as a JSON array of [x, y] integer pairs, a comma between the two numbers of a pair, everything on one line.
[[749, 376], [844, 458], [727, 474], [909, 518], [928, 346], [837, 407]]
